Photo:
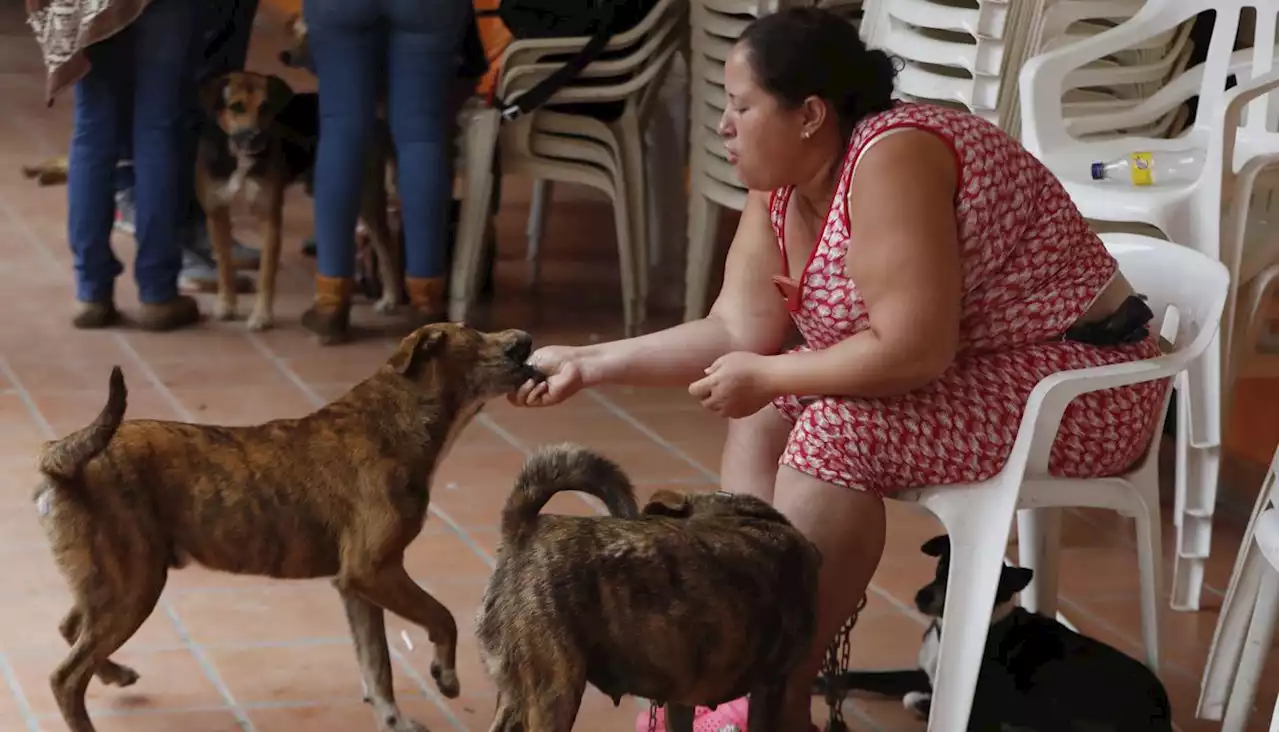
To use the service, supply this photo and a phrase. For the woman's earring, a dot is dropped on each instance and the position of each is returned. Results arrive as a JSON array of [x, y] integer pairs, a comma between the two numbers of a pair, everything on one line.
[[805, 134]]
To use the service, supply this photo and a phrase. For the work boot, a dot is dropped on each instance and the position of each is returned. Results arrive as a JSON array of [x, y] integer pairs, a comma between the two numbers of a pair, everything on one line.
[[330, 316], [426, 300], [176, 312], [97, 314]]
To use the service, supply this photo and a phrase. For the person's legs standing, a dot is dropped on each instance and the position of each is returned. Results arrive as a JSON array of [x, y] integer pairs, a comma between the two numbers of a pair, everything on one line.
[[348, 46], [422, 70], [164, 61], [100, 124]]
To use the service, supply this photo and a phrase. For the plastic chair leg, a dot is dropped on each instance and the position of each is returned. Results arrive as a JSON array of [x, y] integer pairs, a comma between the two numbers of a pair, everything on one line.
[[1259, 642], [481, 142], [702, 236], [1147, 520], [977, 553], [1229, 639], [539, 201], [1199, 452], [1039, 539]]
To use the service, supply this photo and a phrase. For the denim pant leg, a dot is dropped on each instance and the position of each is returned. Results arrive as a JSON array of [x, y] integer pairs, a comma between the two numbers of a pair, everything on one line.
[[165, 54], [348, 50], [422, 70], [102, 100]]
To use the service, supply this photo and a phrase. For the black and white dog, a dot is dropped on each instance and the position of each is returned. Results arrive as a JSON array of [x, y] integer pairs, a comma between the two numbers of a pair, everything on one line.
[[1036, 676]]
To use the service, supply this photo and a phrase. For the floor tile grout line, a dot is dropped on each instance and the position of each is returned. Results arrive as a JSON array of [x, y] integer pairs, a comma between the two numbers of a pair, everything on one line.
[[519, 445], [426, 689], [9, 679], [1132, 543], [618, 411], [206, 666], [24, 394], [1166, 667]]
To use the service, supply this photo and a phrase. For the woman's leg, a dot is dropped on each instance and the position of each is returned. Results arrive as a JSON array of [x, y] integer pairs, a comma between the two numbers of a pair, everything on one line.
[[99, 129], [749, 463], [848, 526], [164, 57], [422, 70], [347, 47]]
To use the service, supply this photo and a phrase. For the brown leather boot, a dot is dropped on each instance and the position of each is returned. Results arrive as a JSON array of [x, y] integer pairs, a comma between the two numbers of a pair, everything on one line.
[[178, 312], [92, 315], [330, 316], [426, 300]]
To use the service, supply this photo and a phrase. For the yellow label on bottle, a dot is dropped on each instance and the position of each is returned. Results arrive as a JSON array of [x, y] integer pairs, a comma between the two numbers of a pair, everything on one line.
[[1140, 168]]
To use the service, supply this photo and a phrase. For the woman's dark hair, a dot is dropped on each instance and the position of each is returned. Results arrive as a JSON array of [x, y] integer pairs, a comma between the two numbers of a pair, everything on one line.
[[802, 52]]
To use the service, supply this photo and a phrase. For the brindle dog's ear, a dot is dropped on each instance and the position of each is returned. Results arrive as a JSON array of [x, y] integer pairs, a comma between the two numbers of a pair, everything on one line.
[[278, 93], [417, 348], [667, 503], [937, 546], [212, 98]]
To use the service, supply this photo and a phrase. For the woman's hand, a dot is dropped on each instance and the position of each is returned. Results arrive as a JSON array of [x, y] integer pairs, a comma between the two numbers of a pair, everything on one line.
[[564, 378], [735, 385]]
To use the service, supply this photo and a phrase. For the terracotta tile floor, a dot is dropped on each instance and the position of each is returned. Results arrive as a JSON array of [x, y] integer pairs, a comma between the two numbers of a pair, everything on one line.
[[226, 653]]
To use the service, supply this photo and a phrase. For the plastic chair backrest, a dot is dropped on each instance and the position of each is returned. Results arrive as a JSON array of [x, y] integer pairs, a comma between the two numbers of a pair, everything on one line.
[[1155, 17]]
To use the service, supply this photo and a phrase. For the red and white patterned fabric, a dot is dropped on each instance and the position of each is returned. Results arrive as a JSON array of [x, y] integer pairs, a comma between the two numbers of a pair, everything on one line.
[[1031, 267]]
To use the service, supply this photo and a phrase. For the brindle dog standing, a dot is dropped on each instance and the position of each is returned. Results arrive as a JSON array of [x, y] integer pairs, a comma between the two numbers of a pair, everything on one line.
[[702, 599], [339, 493], [260, 138]]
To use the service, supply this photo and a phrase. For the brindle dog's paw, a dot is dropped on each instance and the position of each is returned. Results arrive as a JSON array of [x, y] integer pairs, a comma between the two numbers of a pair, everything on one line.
[[404, 724], [446, 681], [113, 674], [260, 321], [224, 310]]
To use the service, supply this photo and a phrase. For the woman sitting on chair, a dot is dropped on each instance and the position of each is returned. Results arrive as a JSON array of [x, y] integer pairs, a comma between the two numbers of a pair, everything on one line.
[[937, 272]]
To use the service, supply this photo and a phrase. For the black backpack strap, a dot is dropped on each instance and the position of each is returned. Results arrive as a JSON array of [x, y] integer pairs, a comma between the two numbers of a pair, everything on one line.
[[545, 89]]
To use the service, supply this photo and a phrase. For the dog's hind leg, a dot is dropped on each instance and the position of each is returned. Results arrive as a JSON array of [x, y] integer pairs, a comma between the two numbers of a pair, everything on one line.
[[764, 711], [369, 634], [109, 617], [373, 212], [109, 672], [556, 708], [393, 589], [506, 717]]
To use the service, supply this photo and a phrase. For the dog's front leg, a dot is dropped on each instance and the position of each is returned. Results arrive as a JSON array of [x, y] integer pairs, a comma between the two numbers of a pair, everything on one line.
[[369, 634], [263, 316], [393, 589], [679, 718], [764, 711], [218, 219]]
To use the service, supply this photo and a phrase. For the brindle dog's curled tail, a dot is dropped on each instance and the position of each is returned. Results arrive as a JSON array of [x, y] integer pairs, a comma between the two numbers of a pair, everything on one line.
[[565, 467], [64, 459]]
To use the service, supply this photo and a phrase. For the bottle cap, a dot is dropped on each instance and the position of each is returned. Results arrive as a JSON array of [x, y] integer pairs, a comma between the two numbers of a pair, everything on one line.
[[1097, 171]]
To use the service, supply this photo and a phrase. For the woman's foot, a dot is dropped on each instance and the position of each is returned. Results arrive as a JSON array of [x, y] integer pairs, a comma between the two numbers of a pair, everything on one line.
[[92, 315], [177, 312], [329, 317]]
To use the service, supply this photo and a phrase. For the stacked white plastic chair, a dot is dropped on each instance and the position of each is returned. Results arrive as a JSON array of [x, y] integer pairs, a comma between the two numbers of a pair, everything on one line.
[[555, 145], [1246, 631], [1231, 129], [1186, 290]]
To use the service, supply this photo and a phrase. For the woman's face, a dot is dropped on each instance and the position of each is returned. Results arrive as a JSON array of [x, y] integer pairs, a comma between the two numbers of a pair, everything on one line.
[[764, 140]]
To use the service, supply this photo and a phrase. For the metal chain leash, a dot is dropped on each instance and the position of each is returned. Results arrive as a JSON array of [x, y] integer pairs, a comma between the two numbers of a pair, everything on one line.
[[833, 668], [653, 715]]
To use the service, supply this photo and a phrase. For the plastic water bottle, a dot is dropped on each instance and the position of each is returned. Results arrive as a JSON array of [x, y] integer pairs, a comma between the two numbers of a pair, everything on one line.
[[1159, 168]]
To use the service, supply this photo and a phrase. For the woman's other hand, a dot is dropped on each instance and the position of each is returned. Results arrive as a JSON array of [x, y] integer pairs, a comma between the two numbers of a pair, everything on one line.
[[735, 385], [564, 378]]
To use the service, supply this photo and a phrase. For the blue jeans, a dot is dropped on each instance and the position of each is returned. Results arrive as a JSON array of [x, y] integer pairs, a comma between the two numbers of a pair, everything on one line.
[[140, 88], [416, 44]]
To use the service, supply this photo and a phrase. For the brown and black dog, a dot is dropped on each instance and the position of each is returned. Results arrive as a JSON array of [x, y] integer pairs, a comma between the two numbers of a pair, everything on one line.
[[259, 138], [339, 493], [698, 600]]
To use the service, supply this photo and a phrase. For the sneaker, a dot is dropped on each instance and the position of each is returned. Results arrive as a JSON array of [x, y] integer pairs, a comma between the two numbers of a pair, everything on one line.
[[179, 312], [200, 274], [243, 256], [125, 212]]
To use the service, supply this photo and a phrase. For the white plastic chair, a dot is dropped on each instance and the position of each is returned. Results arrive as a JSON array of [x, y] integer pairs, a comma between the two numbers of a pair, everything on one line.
[[553, 145], [1231, 127], [1186, 289], [1246, 629]]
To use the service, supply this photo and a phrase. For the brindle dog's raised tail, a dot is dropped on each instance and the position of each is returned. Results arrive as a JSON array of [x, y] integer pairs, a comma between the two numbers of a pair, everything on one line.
[[565, 467], [63, 459]]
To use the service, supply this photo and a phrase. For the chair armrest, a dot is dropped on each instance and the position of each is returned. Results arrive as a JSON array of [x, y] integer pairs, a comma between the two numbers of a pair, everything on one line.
[[1237, 98]]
